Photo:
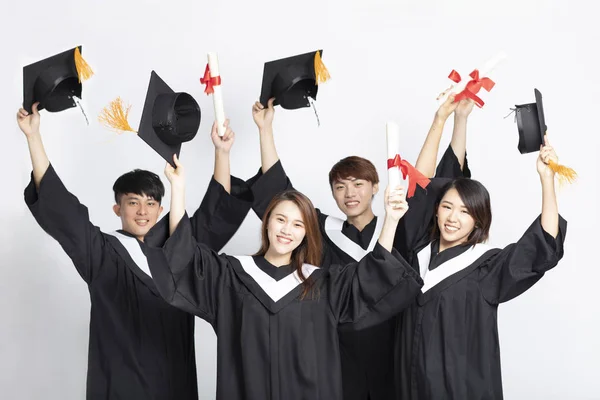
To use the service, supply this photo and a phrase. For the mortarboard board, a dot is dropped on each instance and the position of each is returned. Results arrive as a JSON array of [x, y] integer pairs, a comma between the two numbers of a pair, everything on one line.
[[168, 118], [293, 80], [55, 81], [531, 123]]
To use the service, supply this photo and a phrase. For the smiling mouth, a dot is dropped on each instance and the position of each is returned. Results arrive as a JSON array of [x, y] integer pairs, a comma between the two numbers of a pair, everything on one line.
[[351, 204], [283, 240], [451, 228], [142, 222]]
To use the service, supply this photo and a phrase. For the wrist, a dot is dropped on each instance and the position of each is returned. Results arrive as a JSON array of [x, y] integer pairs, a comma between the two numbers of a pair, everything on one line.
[[222, 152], [440, 118], [34, 137], [265, 130]]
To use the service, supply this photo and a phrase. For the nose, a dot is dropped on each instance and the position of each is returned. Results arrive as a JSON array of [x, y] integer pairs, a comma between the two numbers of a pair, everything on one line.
[[142, 210], [452, 217], [350, 192], [286, 228]]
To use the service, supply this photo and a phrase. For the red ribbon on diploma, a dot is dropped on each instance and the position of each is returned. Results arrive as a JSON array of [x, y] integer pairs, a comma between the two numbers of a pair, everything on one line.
[[473, 86], [209, 81], [414, 176]]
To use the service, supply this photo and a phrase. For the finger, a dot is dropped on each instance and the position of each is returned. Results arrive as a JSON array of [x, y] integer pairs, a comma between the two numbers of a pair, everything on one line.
[[270, 102], [546, 141], [226, 123], [176, 161], [34, 108]]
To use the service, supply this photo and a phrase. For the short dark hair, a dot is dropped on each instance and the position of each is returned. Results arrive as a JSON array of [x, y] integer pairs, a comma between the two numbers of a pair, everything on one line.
[[477, 200], [356, 167], [140, 182]]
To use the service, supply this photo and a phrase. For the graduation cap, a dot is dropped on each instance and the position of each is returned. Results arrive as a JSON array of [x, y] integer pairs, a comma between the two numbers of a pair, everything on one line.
[[168, 118], [531, 123], [293, 80], [55, 81]]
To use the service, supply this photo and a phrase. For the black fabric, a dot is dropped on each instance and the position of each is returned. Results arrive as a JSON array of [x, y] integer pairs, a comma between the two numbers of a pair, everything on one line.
[[277, 273], [366, 348], [447, 343], [438, 258], [140, 347], [361, 238], [285, 349]]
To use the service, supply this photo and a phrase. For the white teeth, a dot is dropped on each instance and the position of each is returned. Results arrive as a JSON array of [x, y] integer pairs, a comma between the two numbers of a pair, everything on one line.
[[451, 228], [352, 203]]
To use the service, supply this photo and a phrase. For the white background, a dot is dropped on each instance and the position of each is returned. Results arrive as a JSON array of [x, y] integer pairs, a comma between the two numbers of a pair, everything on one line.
[[388, 61]]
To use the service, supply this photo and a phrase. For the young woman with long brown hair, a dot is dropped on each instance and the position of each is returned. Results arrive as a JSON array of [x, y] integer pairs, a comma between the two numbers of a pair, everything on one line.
[[276, 314]]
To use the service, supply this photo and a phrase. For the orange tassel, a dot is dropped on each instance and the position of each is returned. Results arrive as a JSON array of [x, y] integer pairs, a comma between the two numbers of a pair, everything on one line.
[[114, 116], [321, 73], [564, 174], [84, 71]]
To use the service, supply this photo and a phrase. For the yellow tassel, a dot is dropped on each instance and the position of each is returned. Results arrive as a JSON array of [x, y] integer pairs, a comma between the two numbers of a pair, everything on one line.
[[321, 73], [564, 174], [114, 116], [84, 71]]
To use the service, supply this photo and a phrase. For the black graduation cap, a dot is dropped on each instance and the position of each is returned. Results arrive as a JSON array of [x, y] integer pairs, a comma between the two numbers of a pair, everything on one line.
[[293, 80], [168, 118], [531, 124], [55, 81]]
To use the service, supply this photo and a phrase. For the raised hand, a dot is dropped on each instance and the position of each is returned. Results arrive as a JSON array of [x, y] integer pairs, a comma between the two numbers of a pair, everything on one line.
[[263, 117], [222, 143], [29, 123]]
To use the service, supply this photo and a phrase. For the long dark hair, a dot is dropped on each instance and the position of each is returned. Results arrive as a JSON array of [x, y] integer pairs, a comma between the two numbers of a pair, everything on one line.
[[477, 200], [310, 249]]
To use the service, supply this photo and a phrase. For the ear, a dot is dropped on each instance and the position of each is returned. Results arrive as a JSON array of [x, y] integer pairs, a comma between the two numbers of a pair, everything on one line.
[[117, 210], [160, 210], [375, 188]]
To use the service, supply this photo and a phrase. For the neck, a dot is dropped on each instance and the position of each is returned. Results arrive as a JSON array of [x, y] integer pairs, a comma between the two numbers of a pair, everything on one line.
[[278, 259], [444, 245], [362, 220]]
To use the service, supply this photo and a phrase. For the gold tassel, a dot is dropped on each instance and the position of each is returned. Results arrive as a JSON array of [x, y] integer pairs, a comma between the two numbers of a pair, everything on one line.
[[321, 73], [84, 71], [114, 116], [564, 174]]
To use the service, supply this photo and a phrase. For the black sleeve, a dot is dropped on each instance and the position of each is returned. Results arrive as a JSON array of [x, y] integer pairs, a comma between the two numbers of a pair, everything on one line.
[[221, 214], [449, 167], [520, 265], [382, 282], [415, 226], [265, 186], [188, 275], [63, 217]]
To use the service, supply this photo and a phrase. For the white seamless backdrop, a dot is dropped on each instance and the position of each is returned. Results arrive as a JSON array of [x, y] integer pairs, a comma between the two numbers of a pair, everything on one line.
[[388, 61]]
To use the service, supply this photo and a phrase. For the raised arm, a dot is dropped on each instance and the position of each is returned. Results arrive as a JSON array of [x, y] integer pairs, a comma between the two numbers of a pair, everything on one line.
[[57, 211], [271, 178], [428, 154], [263, 118], [520, 265], [30, 125], [176, 177], [227, 199]]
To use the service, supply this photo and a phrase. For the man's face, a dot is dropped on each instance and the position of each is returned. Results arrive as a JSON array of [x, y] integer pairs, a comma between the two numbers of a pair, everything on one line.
[[138, 213], [353, 196]]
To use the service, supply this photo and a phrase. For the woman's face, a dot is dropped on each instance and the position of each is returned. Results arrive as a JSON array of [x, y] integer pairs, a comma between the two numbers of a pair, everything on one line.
[[453, 220], [285, 228]]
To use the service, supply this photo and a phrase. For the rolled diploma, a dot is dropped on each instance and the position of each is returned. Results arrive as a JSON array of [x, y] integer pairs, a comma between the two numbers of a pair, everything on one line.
[[213, 64], [393, 147], [483, 72]]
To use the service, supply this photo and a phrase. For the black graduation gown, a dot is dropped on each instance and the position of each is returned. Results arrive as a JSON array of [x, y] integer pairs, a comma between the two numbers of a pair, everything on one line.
[[447, 345], [271, 343], [140, 347], [366, 353]]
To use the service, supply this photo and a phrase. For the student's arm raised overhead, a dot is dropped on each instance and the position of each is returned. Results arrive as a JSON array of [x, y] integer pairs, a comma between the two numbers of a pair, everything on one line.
[[520, 265], [453, 163], [271, 178], [227, 200], [56, 210], [428, 154]]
